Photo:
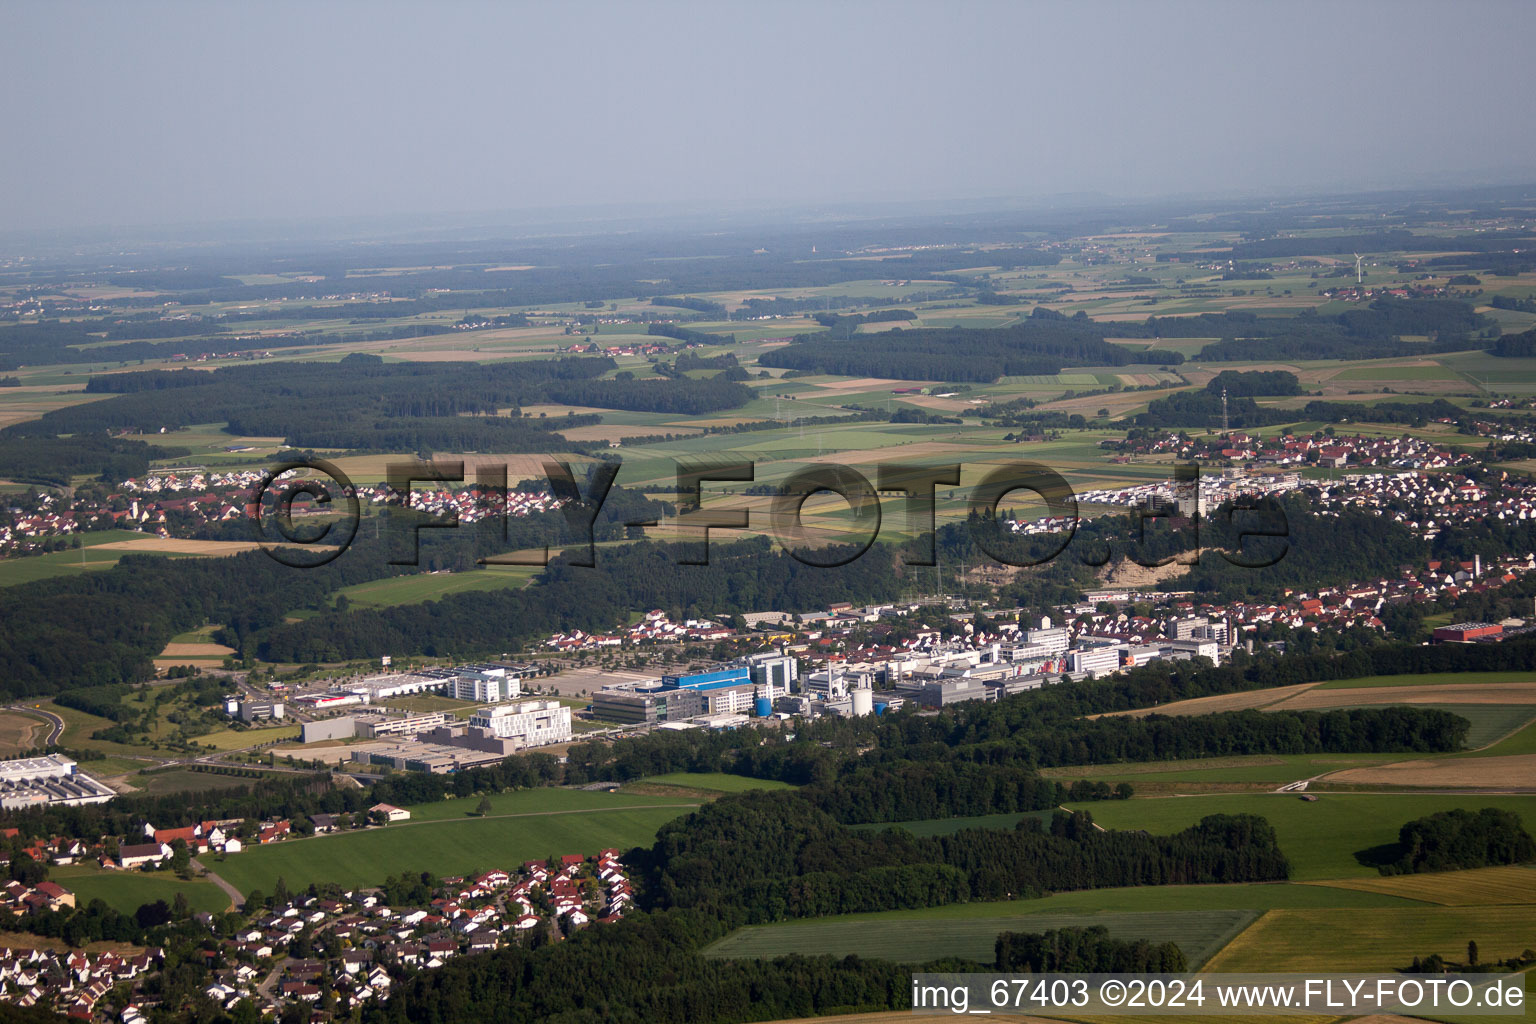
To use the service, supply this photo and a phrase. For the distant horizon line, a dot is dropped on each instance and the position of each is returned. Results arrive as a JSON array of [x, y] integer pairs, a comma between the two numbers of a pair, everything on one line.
[[618, 218]]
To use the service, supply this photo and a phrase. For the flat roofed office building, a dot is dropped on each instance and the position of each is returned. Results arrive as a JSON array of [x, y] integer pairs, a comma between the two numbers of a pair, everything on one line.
[[487, 686], [531, 722], [645, 707]]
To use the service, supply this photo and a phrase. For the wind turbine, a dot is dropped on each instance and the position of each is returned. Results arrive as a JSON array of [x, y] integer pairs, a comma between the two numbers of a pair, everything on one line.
[[1359, 274]]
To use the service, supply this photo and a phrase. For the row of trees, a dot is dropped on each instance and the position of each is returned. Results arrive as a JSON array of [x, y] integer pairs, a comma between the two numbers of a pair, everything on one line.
[[1234, 733]]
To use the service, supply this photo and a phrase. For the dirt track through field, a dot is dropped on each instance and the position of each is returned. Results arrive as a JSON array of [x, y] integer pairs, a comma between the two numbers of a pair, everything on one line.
[[1449, 693]]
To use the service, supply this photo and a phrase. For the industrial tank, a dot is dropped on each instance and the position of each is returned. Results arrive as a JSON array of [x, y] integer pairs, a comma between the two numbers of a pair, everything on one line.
[[863, 701]]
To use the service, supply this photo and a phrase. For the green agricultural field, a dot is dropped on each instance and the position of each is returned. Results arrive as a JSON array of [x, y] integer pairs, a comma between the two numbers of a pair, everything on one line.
[[1321, 837], [418, 587], [1200, 933], [1429, 679], [1398, 372], [443, 846], [1490, 722], [200, 635], [1508, 885], [949, 826], [29, 568], [544, 800], [126, 891], [1256, 768], [1201, 918], [1521, 742], [719, 782]]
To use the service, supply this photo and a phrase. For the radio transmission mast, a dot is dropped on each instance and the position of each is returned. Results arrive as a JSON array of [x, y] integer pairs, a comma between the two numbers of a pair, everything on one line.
[[1223, 410]]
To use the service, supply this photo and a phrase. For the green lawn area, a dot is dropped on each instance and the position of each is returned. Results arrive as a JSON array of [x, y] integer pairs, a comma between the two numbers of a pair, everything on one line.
[[126, 891], [719, 782], [419, 587], [179, 780], [237, 739], [429, 702], [1320, 837], [445, 838], [1201, 918], [114, 766]]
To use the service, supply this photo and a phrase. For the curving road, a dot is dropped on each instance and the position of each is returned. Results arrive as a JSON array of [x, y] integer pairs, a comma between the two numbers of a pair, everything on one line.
[[236, 900]]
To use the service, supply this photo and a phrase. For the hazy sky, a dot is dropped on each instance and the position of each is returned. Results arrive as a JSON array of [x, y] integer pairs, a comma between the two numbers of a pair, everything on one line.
[[143, 113]]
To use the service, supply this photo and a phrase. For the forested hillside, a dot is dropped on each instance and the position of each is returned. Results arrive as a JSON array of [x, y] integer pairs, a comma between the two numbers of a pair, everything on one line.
[[1043, 344]]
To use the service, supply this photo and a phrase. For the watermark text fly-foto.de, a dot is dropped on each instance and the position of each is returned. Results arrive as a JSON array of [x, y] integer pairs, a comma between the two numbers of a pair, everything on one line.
[[320, 484]]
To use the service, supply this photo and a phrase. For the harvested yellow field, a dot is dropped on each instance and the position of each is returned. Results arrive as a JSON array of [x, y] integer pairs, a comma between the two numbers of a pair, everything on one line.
[[19, 410], [173, 546], [1480, 887], [1374, 938], [1448, 693], [867, 384], [1516, 771], [196, 651], [551, 411], [1226, 702]]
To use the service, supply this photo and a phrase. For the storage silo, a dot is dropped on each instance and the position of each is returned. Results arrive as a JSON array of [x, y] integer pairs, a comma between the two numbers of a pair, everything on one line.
[[863, 701]]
